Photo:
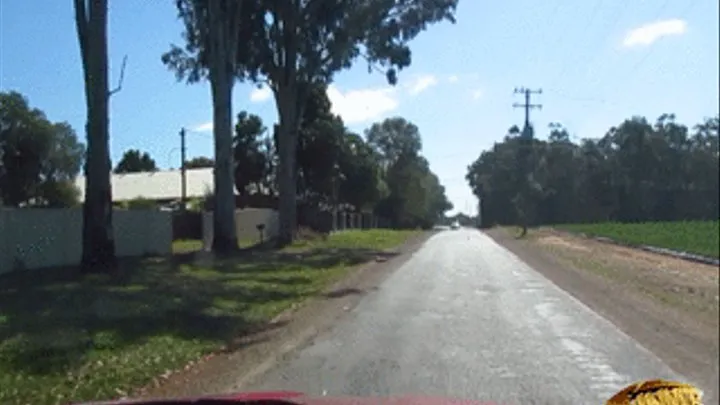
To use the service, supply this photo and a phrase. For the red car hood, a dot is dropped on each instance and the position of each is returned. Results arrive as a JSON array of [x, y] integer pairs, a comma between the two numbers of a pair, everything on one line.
[[295, 398]]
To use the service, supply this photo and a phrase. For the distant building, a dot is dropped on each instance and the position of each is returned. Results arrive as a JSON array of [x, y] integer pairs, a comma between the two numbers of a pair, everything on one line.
[[163, 187], [160, 186]]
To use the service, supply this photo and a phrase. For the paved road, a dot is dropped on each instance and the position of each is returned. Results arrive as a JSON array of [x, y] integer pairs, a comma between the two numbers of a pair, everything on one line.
[[465, 318]]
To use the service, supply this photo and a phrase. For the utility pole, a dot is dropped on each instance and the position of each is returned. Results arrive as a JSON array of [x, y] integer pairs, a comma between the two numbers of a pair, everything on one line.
[[183, 175], [527, 105]]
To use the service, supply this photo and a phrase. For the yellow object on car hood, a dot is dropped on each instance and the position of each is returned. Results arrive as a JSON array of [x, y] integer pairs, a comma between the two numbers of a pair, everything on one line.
[[657, 392]]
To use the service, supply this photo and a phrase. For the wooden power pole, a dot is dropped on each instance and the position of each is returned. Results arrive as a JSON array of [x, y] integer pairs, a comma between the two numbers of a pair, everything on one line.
[[527, 105], [183, 173]]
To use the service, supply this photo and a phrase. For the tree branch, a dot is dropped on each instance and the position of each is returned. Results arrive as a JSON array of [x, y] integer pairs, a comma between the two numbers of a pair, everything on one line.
[[122, 78], [372, 64]]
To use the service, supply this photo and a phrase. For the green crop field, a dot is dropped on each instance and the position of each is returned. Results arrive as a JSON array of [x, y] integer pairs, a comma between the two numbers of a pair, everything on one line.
[[700, 237]]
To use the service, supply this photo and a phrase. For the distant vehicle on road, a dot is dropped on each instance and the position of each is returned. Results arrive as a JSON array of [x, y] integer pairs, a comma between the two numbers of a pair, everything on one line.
[[455, 225]]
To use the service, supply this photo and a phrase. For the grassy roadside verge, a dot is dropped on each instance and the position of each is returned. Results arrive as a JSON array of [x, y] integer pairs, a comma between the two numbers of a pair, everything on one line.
[[700, 237], [195, 245], [64, 339]]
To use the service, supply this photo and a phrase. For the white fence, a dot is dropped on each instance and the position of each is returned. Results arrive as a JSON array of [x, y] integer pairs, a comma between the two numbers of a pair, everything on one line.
[[246, 222], [37, 238]]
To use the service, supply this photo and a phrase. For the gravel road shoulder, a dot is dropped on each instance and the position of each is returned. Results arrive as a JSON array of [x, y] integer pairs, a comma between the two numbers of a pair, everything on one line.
[[668, 305], [254, 354]]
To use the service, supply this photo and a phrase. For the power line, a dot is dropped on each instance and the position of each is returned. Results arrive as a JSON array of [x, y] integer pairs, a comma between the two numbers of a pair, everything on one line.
[[566, 96], [169, 156], [532, 55], [565, 66], [527, 105], [200, 134], [609, 25]]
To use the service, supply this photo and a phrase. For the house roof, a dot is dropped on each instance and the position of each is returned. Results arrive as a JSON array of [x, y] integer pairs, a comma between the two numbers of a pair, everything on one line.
[[160, 185]]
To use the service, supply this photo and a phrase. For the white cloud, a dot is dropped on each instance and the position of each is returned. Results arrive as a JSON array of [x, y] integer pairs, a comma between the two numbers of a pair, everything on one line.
[[649, 33], [476, 94], [421, 83], [261, 94], [463, 77], [206, 127], [356, 106]]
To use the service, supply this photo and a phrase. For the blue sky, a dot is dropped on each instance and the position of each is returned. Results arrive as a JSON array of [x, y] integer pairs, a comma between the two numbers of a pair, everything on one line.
[[597, 61]]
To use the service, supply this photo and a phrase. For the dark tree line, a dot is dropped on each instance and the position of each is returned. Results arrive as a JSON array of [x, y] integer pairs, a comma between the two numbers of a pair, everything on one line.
[[638, 171], [199, 162]]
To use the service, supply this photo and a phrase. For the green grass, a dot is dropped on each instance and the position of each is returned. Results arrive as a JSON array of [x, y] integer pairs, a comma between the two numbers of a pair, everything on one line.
[[195, 245], [700, 237], [65, 339], [358, 239]]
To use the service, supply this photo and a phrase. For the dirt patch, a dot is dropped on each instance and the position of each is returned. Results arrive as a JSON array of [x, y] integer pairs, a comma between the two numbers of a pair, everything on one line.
[[668, 305], [254, 354], [552, 240], [682, 284]]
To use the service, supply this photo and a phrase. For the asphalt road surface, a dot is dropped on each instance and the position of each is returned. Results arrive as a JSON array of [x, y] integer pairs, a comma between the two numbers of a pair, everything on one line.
[[465, 318]]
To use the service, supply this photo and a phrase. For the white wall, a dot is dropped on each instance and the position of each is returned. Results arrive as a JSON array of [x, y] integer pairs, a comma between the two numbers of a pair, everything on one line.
[[246, 221], [37, 238]]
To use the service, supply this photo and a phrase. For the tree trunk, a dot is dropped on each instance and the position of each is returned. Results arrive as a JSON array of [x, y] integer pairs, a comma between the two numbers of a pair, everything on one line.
[[287, 173], [222, 31], [224, 232], [98, 244]]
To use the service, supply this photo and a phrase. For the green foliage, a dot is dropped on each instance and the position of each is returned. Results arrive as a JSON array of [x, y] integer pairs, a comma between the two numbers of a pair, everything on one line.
[[364, 184], [39, 159], [134, 161], [196, 204], [60, 194], [141, 203], [368, 175], [202, 22], [321, 148], [637, 172], [375, 239], [329, 159], [251, 163], [394, 137], [701, 237], [199, 162], [416, 198], [329, 36], [387, 176]]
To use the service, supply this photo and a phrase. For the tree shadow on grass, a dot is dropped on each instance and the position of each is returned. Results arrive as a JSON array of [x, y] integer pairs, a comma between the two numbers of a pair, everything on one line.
[[51, 319]]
